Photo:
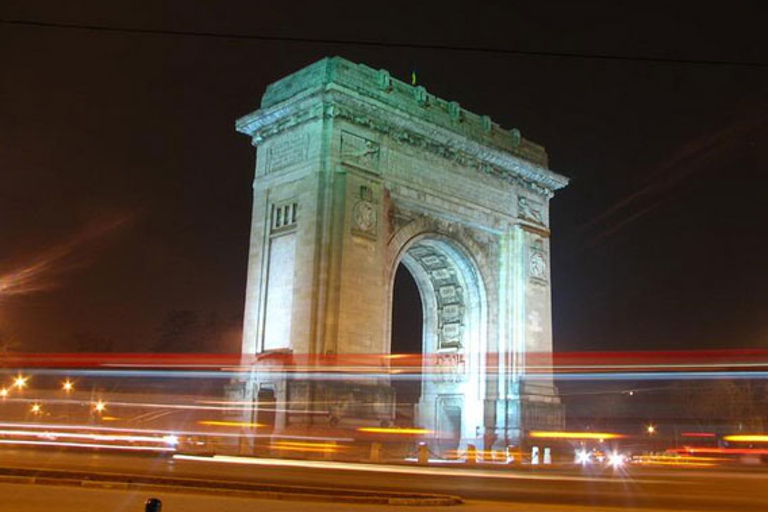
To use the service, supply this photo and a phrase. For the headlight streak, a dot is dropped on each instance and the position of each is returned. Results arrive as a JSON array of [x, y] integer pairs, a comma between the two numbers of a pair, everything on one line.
[[408, 470], [693, 450], [185, 433], [52, 434], [333, 375], [172, 410], [221, 423], [143, 405], [676, 460], [747, 438], [308, 447], [597, 436], [88, 445], [400, 431]]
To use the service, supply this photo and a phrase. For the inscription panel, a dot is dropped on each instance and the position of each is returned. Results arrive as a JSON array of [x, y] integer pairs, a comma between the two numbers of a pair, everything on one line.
[[288, 151]]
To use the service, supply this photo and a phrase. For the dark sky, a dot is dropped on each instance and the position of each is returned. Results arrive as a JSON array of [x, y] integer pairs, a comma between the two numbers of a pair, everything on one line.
[[126, 191]]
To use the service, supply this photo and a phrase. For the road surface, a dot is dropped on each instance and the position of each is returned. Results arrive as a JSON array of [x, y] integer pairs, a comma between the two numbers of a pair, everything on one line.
[[723, 489]]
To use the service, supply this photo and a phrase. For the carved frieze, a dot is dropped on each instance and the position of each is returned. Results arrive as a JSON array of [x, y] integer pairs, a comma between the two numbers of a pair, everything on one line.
[[359, 151], [450, 367], [529, 210], [341, 107]]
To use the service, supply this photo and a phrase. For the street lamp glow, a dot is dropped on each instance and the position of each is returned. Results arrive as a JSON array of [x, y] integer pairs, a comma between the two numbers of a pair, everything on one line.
[[68, 386], [650, 429], [3, 392], [20, 382], [36, 409], [100, 406]]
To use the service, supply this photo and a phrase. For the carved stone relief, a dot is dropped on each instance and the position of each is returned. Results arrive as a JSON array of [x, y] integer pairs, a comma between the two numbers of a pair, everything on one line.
[[365, 218], [449, 296], [450, 367], [359, 151], [529, 210], [537, 262]]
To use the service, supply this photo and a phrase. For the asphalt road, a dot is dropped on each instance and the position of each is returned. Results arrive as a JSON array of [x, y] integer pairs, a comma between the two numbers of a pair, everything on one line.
[[35, 498], [722, 489]]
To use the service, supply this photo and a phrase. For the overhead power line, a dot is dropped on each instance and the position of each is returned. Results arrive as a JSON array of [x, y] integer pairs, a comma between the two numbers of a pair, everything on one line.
[[386, 44]]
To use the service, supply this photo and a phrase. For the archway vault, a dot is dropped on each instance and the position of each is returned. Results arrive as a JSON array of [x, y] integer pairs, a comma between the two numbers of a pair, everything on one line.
[[454, 336]]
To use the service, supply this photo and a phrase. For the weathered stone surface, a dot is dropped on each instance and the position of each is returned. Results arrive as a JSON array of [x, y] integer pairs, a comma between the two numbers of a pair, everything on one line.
[[369, 173]]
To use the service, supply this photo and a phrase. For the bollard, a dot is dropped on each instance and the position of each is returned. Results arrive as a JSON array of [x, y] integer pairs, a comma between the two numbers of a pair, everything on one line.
[[471, 454], [375, 451], [547, 455], [153, 505], [535, 455], [423, 453]]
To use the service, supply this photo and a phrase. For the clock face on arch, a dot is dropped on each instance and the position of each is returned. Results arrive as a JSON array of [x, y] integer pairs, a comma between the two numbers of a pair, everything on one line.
[[364, 216]]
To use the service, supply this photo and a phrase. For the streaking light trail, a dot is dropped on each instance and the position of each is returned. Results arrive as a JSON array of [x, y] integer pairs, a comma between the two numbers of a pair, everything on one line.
[[43, 271], [222, 423], [754, 438], [88, 445], [576, 435], [403, 431], [401, 469]]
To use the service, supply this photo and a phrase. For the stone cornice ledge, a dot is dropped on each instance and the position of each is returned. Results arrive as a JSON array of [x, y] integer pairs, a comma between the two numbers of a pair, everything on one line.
[[335, 101]]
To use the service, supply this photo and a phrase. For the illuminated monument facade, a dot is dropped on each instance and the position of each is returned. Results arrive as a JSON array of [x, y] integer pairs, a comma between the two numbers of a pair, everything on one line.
[[356, 173]]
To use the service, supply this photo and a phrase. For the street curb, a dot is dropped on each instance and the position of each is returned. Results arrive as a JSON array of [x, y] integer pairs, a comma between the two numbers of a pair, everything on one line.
[[115, 481]]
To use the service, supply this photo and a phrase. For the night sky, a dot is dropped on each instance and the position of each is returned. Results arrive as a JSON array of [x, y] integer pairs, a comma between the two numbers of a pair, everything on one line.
[[126, 192]]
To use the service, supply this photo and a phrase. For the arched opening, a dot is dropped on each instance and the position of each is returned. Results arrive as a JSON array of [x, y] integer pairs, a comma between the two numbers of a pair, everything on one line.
[[407, 326], [407, 314], [438, 301]]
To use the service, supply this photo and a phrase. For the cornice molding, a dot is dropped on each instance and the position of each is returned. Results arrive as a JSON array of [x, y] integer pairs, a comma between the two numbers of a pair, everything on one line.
[[334, 102]]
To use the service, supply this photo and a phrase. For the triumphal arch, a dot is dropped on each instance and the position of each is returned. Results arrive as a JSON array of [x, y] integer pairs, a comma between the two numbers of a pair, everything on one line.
[[357, 173]]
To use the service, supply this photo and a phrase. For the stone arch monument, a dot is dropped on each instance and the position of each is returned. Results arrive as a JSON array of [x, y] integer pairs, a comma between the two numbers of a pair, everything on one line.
[[357, 173]]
